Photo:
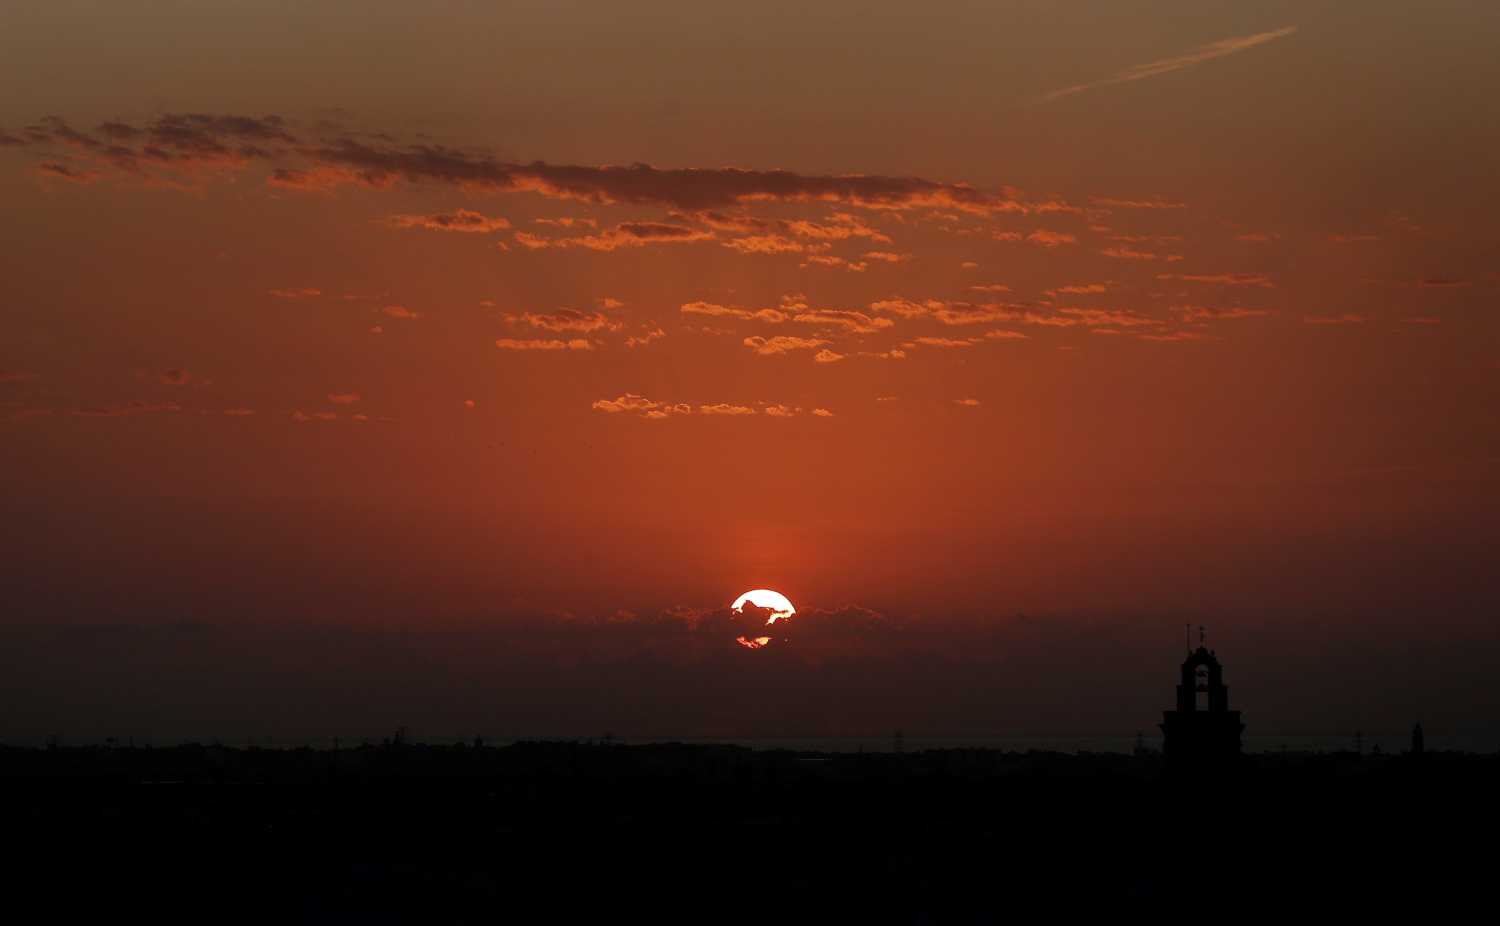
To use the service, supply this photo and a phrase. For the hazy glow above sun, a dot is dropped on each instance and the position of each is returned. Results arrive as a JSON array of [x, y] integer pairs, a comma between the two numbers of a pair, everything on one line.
[[778, 604]]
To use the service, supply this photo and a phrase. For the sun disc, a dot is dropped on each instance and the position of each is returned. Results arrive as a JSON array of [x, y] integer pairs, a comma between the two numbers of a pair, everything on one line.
[[778, 604]]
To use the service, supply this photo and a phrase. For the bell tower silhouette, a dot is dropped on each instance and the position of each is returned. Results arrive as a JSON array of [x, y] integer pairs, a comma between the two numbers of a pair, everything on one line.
[[1197, 734]]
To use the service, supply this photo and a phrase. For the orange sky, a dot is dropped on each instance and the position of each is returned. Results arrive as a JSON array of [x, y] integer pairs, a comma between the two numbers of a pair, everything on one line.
[[359, 317]]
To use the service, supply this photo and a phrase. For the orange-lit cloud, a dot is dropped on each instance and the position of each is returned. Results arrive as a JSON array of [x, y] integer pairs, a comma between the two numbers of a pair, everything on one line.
[[460, 220], [1126, 253], [856, 266], [128, 409], [928, 341], [543, 344], [854, 321], [402, 312], [1107, 202], [633, 404], [1051, 239], [781, 344], [722, 408], [771, 316], [624, 235], [1079, 289], [1221, 279], [343, 398], [1347, 318], [571, 320], [644, 339], [1198, 313]]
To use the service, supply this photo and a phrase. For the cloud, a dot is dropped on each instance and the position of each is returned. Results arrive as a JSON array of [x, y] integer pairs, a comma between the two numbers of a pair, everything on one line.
[[967, 403], [1117, 318], [1079, 289], [401, 311], [1352, 238], [781, 344], [1347, 318], [927, 341], [964, 313], [571, 320], [822, 413], [991, 288], [609, 302], [856, 266], [1108, 202], [771, 316], [302, 417], [460, 220], [1188, 59], [182, 142], [1257, 237], [1050, 239], [643, 340], [905, 308], [1221, 279], [569, 222], [57, 170], [857, 322], [624, 235], [128, 409], [552, 344], [1196, 313], [842, 227], [175, 377], [343, 398], [305, 293], [693, 190], [769, 244], [725, 409], [886, 257], [1123, 253], [1174, 336], [827, 356], [640, 406], [312, 180], [1000, 334], [632, 404]]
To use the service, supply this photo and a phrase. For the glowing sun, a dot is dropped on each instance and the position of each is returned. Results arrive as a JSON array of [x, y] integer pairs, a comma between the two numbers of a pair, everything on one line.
[[762, 600]]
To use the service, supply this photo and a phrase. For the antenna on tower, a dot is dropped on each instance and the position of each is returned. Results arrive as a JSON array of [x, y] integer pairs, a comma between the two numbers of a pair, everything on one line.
[[1200, 636], [1187, 630]]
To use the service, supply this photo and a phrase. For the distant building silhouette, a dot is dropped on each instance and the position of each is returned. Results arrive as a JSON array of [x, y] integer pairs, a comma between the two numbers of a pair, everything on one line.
[[1194, 734]]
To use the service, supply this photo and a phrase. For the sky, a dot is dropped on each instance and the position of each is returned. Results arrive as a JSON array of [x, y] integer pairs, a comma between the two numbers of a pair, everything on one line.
[[457, 365]]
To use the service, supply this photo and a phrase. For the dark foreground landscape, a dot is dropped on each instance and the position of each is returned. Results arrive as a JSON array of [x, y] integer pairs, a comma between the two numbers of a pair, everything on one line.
[[569, 831]]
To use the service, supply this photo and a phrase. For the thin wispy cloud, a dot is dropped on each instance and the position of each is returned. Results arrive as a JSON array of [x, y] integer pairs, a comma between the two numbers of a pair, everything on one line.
[[1202, 53]]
